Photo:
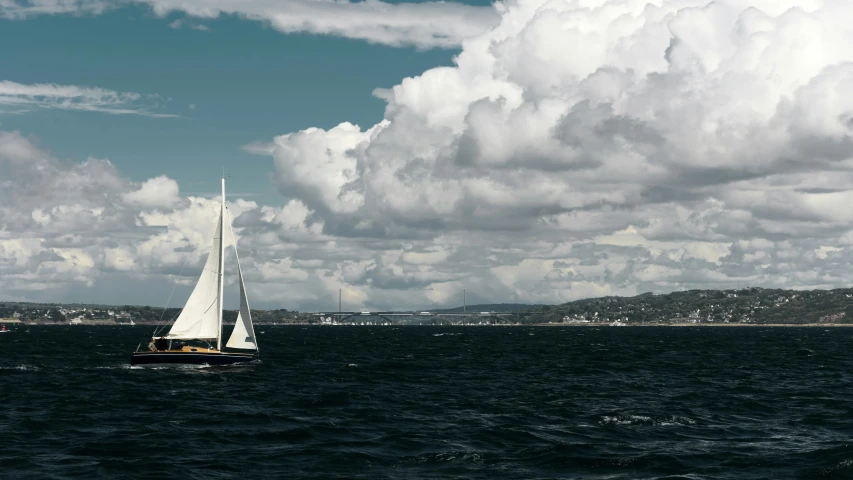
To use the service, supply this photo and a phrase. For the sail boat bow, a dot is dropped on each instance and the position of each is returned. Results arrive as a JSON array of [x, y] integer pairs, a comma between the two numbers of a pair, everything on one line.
[[201, 318]]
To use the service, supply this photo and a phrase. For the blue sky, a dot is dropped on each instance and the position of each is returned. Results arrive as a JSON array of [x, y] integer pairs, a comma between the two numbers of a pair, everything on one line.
[[246, 81]]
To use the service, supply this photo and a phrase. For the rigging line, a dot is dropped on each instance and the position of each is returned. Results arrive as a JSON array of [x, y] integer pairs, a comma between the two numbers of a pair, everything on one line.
[[157, 326]]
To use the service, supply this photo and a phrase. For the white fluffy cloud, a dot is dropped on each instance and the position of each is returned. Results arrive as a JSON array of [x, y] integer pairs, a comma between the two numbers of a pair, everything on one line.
[[72, 231], [155, 192], [596, 147], [20, 98], [577, 148], [423, 24], [79, 231]]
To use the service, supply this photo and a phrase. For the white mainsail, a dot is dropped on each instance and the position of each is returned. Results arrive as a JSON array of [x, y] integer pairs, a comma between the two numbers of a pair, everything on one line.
[[243, 335], [200, 317]]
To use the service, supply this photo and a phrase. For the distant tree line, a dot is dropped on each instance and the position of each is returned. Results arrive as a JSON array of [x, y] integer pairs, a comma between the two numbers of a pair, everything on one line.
[[747, 305]]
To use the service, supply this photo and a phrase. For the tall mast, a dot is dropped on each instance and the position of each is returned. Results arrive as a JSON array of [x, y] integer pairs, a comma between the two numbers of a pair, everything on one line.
[[221, 265]]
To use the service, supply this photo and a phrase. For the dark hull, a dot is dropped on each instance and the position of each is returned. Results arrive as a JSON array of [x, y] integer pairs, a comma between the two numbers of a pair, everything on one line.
[[190, 358]]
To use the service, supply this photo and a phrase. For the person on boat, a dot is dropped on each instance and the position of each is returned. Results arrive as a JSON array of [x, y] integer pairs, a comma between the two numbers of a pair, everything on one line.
[[160, 343], [178, 346]]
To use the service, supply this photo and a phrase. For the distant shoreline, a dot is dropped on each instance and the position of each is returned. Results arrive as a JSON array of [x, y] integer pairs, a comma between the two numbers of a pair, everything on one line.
[[569, 325], [698, 325]]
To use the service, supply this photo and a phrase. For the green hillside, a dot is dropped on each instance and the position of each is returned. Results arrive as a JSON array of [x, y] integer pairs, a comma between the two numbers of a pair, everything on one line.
[[748, 305]]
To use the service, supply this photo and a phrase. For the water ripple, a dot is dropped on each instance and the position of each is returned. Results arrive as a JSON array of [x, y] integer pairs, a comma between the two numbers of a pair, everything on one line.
[[435, 402]]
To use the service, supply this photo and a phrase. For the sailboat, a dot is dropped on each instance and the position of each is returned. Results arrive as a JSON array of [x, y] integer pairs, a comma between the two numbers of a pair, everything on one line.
[[200, 320]]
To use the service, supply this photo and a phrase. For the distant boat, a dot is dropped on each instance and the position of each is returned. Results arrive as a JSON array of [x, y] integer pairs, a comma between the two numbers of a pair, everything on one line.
[[200, 320], [3, 329], [131, 322]]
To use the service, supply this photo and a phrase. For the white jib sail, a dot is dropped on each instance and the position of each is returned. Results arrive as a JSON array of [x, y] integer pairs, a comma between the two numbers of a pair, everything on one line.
[[243, 335], [200, 317]]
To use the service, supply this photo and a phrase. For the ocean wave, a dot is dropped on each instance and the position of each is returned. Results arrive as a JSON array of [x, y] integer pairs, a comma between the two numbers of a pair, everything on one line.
[[21, 368], [395, 404], [646, 420]]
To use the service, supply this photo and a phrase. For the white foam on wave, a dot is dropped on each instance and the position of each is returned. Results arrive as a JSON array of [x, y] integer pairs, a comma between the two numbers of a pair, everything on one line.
[[193, 368], [450, 457], [625, 420], [21, 368], [123, 366], [644, 420], [24, 367], [675, 420], [838, 467], [163, 367]]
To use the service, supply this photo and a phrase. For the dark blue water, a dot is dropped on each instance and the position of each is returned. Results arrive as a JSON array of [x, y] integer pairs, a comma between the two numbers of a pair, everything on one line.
[[435, 402]]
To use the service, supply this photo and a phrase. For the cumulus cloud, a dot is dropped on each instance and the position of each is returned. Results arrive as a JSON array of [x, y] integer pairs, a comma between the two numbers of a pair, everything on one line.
[[590, 148], [424, 24], [20, 98], [575, 149], [155, 192], [67, 224], [80, 231]]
